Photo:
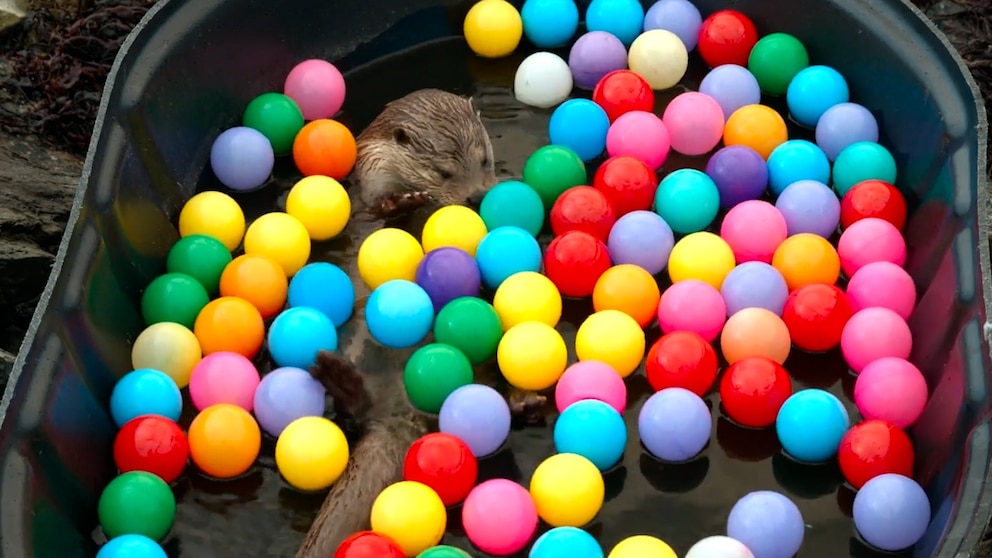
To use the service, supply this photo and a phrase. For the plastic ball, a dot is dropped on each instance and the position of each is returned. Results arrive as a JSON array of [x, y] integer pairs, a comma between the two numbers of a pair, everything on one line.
[[153, 444], [388, 254], [321, 204], [732, 86], [775, 60], [695, 123], [542, 80], [241, 158], [844, 124], [583, 208], [231, 324], [168, 347], [549, 23], [311, 453], [224, 441], [567, 488], [366, 544], [532, 356], [298, 335], [814, 90], [688, 200], [630, 289], [641, 135], [809, 206], [612, 337], [581, 125], [754, 285], [456, 226], [574, 261], [317, 87], [622, 91], [173, 297], [137, 503], [277, 117], [131, 546], [674, 424], [739, 173], [512, 203], [559, 542], [660, 57], [810, 425], [638, 546], [525, 297], [703, 256], [678, 16], [399, 314], [434, 371], [499, 517], [325, 287], [281, 237], [718, 546], [872, 448], [726, 37], [201, 257], [470, 325], [411, 514], [641, 238], [493, 29], [681, 359], [891, 389], [593, 55], [224, 377], [628, 183], [478, 415], [622, 18], [891, 512], [755, 332], [591, 429], [753, 390], [873, 198], [552, 169], [756, 126], [870, 240], [591, 379], [874, 333], [213, 214], [444, 551], [768, 523], [325, 147], [816, 315], [284, 395], [797, 160], [448, 273], [444, 463], [806, 258], [505, 251], [145, 392], [692, 305], [257, 279], [864, 160], [882, 284]]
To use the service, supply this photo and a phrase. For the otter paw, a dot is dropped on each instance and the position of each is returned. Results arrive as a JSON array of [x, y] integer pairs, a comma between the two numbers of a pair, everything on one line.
[[526, 407], [343, 382], [396, 204]]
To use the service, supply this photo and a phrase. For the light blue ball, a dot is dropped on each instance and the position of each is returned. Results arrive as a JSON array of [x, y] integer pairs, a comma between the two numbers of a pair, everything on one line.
[[512, 203], [797, 160], [688, 200], [810, 425], [549, 23], [891, 512], [622, 18], [592, 429], [860, 161], [768, 523], [674, 424], [131, 546], [327, 288], [505, 251], [581, 125], [399, 314], [814, 90], [298, 334], [145, 391], [566, 542]]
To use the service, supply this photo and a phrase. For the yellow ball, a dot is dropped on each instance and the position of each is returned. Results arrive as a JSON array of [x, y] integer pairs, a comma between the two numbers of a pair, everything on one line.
[[281, 238], [703, 256], [388, 254], [321, 204], [411, 514], [169, 347], [612, 337], [493, 28], [660, 57], [311, 453], [213, 214], [568, 490], [454, 225], [642, 546], [527, 296], [532, 356]]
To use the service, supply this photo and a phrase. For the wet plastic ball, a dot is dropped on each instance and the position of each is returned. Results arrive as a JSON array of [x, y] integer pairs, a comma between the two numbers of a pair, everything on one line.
[[660, 57], [768, 523], [864, 160], [311, 453], [726, 37], [281, 237], [499, 517], [883, 284], [622, 91], [891, 512], [321, 204], [286, 394], [298, 335], [754, 285], [810, 425], [324, 287], [891, 389], [681, 359], [552, 169], [638, 546], [816, 315], [472, 326], [434, 371], [873, 198], [873, 333], [411, 514], [232, 324], [695, 123], [806, 258], [399, 314], [759, 127], [542, 80], [153, 444], [678, 16], [277, 117], [131, 546], [872, 448], [590, 379], [242, 158], [478, 415], [145, 392], [137, 503], [213, 214], [692, 305], [506, 251], [168, 347], [732, 86], [718, 546], [454, 225], [568, 489], [448, 273], [574, 261], [325, 147], [317, 87], [224, 441], [257, 279], [630, 289], [201, 257], [580, 124], [622, 18], [515, 204], [591, 429], [814, 90], [388, 254], [641, 238], [775, 60], [559, 542], [703, 256], [688, 200], [173, 297], [612, 337], [844, 124], [753, 390], [641, 135], [628, 183], [367, 544], [224, 377], [674, 424], [870, 240], [493, 28], [809, 206], [755, 332], [583, 208], [593, 55], [549, 23], [444, 463], [532, 356], [796, 160], [527, 296], [754, 229], [444, 551]]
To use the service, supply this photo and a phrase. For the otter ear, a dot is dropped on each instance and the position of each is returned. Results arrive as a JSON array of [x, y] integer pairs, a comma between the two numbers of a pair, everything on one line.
[[401, 137]]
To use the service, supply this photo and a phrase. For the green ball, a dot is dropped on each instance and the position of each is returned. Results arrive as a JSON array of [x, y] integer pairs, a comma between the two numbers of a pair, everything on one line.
[[432, 373], [472, 326], [201, 257], [173, 297], [444, 551], [137, 503], [860, 161], [514, 204], [551, 170], [775, 59], [277, 117]]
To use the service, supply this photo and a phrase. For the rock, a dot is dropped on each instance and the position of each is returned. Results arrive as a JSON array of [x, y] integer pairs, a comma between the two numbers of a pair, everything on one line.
[[12, 12]]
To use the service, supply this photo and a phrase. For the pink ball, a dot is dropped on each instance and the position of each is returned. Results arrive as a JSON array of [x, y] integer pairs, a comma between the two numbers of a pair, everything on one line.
[[891, 389], [870, 240], [754, 229], [223, 377], [692, 305], [883, 284], [874, 333], [591, 379], [641, 135], [695, 123], [499, 517], [317, 87]]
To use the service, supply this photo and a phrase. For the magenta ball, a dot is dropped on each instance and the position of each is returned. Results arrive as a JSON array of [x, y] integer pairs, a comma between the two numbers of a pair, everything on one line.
[[754, 229], [883, 284], [223, 377], [740, 174], [641, 135], [695, 123], [891, 389], [317, 87], [593, 55], [870, 240], [499, 517], [692, 305], [874, 333], [591, 379]]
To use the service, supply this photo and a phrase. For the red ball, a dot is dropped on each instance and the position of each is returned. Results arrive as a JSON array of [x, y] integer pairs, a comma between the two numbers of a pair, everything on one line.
[[574, 261], [872, 448], [727, 37], [681, 359], [443, 462], [583, 208], [873, 198], [366, 544], [153, 444], [753, 389], [622, 91], [627, 182], [816, 315]]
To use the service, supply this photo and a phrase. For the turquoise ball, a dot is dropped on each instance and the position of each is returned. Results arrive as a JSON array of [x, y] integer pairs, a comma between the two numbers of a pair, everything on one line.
[[688, 200]]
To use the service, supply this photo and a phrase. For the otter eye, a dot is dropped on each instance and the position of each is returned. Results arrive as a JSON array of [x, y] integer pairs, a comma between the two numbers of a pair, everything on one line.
[[485, 162], [401, 137], [445, 175]]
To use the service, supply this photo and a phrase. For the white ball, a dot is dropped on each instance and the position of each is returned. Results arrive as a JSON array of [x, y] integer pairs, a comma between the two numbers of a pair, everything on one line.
[[660, 57], [543, 80], [719, 546]]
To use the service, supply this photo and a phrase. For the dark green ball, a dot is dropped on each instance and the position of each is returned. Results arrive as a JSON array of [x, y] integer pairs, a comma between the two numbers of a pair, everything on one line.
[[173, 297], [201, 257], [277, 117]]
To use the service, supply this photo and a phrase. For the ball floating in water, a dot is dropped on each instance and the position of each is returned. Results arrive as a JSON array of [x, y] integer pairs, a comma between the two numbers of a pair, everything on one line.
[[399, 314], [753, 390], [579, 124], [593, 430], [718, 546], [242, 158], [281, 237], [891, 512], [542, 80], [434, 371], [732, 86], [277, 117], [137, 503], [870, 240], [311, 453], [214, 214], [814, 90], [628, 183], [527, 296], [566, 541], [681, 359], [499, 517], [493, 29], [444, 463], [368, 544], [552, 169], [674, 424], [297, 336], [224, 441], [591, 380], [754, 285], [844, 124], [695, 123], [506, 251], [512, 203], [806, 258], [168, 347], [411, 514], [532, 356], [809, 206], [755, 332], [321, 204], [860, 161], [641, 238], [639, 546], [447, 273], [568, 489], [454, 225], [622, 91], [230, 323], [873, 333], [224, 377], [891, 389], [173, 297], [131, 546], [754, 229], [756, 126], [660, 57], [258, 279], [284, 395], [201, 257], [872, 448], [477, 414], [630, 289], [816, 315], [317, 87], [623, 19], [641, 135], [692, 305], [810, 425], [145, 392], [574, 261], [444, 551], [768, 523], [470, 325], [325, 147], [873, 198], [153, 444], [388, 254], [740, 175], [726, 37], [775, 60], [549, 23], [882, 284], [583, 208], [678, 16], [796, 160], [612, 337], [324, 287], [688, 200], [703, 256], [593, 55]]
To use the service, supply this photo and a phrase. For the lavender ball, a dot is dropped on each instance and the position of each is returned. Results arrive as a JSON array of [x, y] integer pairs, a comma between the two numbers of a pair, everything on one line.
[[242, 158], [732, 86], [740, 174], [594, 55], [678, 16], [754, 285], [809, 207]]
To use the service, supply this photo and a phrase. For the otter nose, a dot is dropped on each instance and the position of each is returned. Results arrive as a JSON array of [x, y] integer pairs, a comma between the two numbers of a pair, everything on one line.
[[475, 200]]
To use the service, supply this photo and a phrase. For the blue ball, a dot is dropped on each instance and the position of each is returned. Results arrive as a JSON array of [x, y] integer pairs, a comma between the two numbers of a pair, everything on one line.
[[688, 200], [512, 203], [505, 251], [797, 160], [622, 18], [549, 23], [298, 334], [891, 512], [145, 392], [581, 125], [675, 424], [131, 546], [399, 314], [592, 429], [810, 425], [814, 90], [566, 542], [242, 158], [325, 287], [768, 523]]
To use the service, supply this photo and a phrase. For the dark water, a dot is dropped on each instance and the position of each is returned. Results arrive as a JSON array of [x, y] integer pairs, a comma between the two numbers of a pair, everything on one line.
[[259, 516]]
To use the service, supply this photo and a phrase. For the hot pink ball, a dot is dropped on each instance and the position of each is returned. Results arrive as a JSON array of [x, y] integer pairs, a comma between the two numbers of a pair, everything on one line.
[[591, 379], [223, 377], [754, 229], [692, 305], [891, 389], [499, 517], [695, 123], [874, 333], [870, 240], [317, 87], [641, 135], [883, 284]]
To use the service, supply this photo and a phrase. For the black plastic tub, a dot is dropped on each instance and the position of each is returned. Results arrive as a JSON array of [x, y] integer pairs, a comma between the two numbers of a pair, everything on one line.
[[187, 72]]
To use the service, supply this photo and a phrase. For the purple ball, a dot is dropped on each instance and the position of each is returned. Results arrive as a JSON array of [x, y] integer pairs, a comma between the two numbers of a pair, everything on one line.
[[478, 415], [754, 285], [641, 238], [891, 512], [732, 86], [284, 395], [448, 273], [678, 16], [242, 158], [809, 207], [768, 523], [740, 174], [594, 55], [674, 424], [844, 124]]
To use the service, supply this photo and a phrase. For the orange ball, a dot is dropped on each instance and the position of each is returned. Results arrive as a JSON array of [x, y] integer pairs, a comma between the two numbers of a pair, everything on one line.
[[806, 258], [231, 324], [630, 289], [257, 279], [755, 332], [325, 147], [759, 127], [224, 440]]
